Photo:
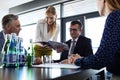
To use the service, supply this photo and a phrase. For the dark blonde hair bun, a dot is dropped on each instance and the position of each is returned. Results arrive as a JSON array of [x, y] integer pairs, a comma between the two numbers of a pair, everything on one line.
[[51, 10]]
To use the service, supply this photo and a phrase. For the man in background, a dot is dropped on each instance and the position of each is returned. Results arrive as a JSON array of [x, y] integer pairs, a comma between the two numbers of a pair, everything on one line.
[[78, 44], [10, 24]]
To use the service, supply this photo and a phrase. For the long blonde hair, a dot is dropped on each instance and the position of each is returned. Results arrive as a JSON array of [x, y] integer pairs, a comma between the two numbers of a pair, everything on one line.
[[113, 4], [52, 10]]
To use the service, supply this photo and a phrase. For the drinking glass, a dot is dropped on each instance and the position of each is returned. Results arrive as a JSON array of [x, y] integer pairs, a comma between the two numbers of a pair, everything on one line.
[[47, 59]]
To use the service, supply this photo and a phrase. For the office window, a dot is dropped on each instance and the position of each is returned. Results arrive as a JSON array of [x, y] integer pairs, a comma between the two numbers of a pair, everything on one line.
[[94, 29], [68, 31], [79, 7], [27, 33], [32, 17], [28, 22], [57, 7]]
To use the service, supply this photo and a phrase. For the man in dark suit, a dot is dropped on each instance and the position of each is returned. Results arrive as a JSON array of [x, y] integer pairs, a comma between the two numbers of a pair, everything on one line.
[[83, 45], [10, 24], [2, 40]]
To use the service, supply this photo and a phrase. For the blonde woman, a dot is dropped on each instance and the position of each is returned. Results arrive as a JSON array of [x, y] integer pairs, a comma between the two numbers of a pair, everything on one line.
[[47, 29]]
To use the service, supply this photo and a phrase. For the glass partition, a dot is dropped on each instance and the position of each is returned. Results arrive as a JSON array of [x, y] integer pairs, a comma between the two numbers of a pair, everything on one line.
[[94, 29], [77, 7], [32, 17]]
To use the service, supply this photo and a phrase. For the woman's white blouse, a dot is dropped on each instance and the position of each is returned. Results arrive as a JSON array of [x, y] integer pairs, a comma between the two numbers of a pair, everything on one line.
[[42, 34]]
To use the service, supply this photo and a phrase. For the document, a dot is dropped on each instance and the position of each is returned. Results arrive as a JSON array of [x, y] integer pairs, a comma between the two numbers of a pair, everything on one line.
[[54, 44], [57, 65]]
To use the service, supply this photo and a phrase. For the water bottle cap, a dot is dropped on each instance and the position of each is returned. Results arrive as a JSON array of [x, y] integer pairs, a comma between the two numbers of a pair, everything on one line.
[[14, 34], [31, 40]]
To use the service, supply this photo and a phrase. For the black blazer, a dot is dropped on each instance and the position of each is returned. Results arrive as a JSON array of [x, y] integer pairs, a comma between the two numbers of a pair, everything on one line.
[[2, 40], [83, 48]]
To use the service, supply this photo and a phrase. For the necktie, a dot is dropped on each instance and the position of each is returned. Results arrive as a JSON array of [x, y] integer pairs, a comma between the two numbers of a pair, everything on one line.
[[72, 47]]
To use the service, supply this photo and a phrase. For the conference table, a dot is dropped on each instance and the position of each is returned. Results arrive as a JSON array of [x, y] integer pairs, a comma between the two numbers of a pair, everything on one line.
[[49, 73]]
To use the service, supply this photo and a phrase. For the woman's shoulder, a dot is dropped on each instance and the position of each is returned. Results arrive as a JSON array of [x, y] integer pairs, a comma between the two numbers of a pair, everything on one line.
[[114, 14], [113, 17], [41, 21]]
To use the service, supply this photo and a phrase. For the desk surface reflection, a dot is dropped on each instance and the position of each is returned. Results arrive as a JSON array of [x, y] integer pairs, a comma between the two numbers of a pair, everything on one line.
[[26, 73]]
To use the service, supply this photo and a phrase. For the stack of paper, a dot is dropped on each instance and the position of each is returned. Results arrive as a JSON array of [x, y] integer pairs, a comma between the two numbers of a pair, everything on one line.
[[57, 65]]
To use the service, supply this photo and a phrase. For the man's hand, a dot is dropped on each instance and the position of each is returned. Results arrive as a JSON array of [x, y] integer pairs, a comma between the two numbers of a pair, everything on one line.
[[38, 61], [60, 48], [71, 59], [66, 61]]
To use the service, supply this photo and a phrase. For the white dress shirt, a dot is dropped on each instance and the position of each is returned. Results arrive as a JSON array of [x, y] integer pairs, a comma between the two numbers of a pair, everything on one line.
[[42, 34]]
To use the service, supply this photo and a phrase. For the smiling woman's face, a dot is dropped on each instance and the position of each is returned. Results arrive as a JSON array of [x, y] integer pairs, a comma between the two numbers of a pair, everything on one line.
[[50, 18]]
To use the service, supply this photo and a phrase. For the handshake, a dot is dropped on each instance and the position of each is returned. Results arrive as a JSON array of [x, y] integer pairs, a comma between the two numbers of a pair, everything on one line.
[[71, 59]]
